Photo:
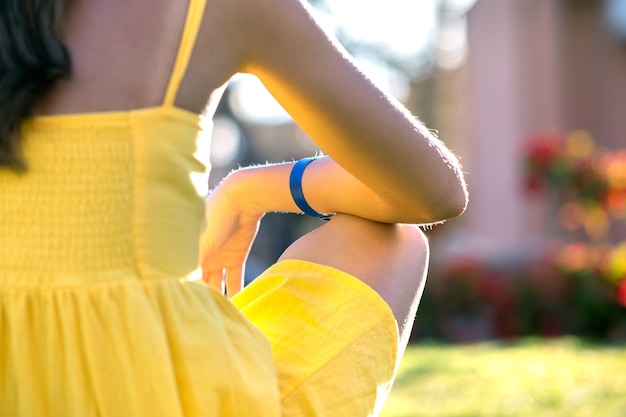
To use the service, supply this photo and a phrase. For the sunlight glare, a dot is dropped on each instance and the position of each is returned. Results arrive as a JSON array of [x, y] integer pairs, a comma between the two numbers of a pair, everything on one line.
[[405, 26]]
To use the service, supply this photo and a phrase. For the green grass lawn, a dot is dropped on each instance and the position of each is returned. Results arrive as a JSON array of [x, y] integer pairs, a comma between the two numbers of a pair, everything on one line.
[[565, 377]]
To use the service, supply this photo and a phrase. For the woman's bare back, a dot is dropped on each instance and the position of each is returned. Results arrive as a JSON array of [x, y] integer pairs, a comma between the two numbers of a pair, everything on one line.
[[123, 53]]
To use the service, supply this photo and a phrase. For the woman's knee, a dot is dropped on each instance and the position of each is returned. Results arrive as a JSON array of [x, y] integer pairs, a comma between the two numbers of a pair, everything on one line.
[[391, 259], [357, 243]]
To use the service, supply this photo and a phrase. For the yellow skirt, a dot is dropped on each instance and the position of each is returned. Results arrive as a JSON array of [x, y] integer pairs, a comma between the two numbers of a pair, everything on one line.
[[334, 339], [125, 347]]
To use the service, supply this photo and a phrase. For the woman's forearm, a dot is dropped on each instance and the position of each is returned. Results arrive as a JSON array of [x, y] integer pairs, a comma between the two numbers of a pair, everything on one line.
[[328, 188]]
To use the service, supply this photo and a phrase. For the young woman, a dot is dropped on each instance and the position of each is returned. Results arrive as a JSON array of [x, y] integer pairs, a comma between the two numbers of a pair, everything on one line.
[[101, 309]]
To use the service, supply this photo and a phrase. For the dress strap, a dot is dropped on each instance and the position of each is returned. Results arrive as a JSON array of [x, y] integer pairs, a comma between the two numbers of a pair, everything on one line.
[[195, 14]]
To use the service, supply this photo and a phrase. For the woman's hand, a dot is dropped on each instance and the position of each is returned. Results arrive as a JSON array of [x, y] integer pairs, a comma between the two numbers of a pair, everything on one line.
[[226, 241]]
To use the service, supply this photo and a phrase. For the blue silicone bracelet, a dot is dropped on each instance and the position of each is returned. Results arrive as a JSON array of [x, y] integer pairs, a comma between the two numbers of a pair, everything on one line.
[[295, 186]]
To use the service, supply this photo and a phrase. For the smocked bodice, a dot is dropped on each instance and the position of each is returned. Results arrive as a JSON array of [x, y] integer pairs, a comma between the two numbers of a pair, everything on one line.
[[105, 194]]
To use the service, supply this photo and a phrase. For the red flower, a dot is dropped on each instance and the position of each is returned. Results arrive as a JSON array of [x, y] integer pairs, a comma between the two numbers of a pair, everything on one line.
[[621, 293], [615, 201]]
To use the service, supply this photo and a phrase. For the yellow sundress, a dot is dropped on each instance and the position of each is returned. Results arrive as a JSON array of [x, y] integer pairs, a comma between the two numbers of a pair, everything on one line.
[[101, 309]]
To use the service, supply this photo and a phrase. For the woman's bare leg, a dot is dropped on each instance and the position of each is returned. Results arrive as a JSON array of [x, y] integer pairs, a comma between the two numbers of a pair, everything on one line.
[[391, 259]]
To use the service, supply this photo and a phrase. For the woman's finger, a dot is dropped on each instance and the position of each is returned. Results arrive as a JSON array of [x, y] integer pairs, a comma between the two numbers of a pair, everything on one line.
[[214, 277], [234, 280]]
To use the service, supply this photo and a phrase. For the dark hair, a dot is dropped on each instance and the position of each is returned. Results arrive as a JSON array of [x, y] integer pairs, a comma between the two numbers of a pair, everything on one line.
[[32, 58]]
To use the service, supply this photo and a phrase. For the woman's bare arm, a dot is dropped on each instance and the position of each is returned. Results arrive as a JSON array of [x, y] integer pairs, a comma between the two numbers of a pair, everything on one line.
[[385, 150], [383, 164]]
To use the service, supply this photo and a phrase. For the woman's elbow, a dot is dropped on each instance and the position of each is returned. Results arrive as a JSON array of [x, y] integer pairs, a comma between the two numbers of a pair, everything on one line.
[[457, 198], [442, 204], [453, 204]]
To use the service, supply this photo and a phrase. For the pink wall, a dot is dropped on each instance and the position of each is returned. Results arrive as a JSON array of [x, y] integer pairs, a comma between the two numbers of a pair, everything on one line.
[[512, 94], [534, 65]]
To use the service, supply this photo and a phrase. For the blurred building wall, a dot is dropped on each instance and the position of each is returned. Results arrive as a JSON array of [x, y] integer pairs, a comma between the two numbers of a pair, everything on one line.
[[533, 66]]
